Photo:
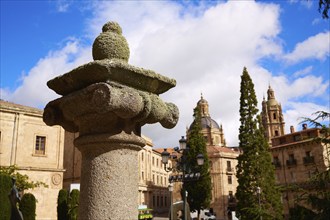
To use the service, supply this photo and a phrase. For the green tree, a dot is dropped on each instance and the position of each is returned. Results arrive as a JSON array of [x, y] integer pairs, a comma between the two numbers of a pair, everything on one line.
[[22, 181], [5, 187], [324, 6], [28, 206], [256, 192], [62, 205], [73, 204], [316, 191], [199, 192]]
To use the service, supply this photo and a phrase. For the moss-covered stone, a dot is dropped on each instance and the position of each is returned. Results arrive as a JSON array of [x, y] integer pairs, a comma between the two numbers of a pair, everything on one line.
[[110, 44]]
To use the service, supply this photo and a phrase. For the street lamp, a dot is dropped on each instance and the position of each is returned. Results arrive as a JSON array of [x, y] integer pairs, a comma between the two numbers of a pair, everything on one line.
[[170, 189], [181, 167]]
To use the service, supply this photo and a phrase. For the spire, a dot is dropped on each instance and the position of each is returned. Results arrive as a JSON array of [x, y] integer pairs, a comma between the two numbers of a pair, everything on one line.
[[204, 106]]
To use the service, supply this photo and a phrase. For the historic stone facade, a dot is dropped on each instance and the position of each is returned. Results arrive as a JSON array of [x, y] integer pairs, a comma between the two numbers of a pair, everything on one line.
[[296, 156], [223, 161], [37, 151], [272, 117]]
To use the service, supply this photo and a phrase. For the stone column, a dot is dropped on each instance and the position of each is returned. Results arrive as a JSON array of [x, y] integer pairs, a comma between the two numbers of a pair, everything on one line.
[[108, 101]]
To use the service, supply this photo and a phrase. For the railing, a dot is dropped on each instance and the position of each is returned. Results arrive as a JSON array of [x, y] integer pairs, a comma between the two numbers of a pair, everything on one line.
[[230, 169], [277, 164], [291, 162], [308, 160]]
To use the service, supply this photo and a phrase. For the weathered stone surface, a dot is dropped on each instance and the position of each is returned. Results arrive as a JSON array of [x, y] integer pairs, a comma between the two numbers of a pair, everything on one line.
[[114, 71], [108, 101], [109, 165], [110, 109]]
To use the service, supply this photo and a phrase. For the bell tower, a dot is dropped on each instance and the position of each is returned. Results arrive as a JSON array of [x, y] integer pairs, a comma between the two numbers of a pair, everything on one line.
[[272, 117]]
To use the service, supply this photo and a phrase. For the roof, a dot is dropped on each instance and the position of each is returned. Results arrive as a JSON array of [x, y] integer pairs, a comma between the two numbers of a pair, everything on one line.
[[216, 150], [207, 122], [10, 106]]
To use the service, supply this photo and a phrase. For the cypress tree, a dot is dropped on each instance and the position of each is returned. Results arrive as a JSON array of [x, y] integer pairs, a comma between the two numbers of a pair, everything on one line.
[[28, 206], [258, 197], [199, 192], [73, 204], [62, 205], [5, 187]]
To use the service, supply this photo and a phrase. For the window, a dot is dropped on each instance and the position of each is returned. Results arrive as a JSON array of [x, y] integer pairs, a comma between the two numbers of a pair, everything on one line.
[[40, 145], [230, 181], [276, 161], [142, 175], [161, 201], [229, 166], [274, 115], [153, 178], [276, 133], [291, 161], [165, 200], [142, 156], [153, 161]]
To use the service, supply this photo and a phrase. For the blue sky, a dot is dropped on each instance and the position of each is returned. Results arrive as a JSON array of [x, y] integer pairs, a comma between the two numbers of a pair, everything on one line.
[[204, 45]]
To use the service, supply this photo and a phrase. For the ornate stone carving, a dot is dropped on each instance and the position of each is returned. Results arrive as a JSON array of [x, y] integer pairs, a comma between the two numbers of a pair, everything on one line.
[[108, 101]]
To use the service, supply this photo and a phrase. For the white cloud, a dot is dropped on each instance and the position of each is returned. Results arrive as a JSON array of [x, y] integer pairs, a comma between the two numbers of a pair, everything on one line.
[[33, 90], [303, 72], [315, 47], [203, 48], [297, 111]]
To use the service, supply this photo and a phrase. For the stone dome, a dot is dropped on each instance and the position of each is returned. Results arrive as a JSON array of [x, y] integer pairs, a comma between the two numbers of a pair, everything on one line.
[[207, 122]]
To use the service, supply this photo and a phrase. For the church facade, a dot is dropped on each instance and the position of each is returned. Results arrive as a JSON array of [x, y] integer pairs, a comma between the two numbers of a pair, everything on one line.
[[223, 162]]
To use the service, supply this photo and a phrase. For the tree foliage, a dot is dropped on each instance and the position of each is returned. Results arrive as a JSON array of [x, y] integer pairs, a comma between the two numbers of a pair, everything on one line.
[[199, 192], [22, 181], [62, 205], [73, 204], [28, 206], [254, 169], [324, 6], [5, 187]]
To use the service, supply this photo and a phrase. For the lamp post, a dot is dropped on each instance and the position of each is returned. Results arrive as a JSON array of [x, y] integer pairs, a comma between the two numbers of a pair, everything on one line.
[[181, 167], [170, 189]]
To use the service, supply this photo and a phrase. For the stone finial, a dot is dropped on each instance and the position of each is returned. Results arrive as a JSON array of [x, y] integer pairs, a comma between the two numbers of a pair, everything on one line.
[[111, 44]]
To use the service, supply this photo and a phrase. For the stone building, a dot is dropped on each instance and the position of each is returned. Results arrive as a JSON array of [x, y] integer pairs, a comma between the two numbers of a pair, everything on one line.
[[296, 156], [153, 179], [223, 161], [272, 117], [37, 151]]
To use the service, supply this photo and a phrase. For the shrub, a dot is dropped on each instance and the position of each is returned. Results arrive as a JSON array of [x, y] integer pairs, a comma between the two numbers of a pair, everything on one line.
[[5, 187], [73, 204], [28, 206], [62, 205]]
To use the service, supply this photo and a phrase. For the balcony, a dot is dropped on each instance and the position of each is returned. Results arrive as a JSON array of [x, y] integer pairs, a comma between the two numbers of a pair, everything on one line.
[[308, 160], [277, 164], [291, 162]]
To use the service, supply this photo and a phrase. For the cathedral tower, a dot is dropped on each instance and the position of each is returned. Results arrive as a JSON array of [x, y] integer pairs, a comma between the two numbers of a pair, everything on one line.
[[272, 117], [211, 131]]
